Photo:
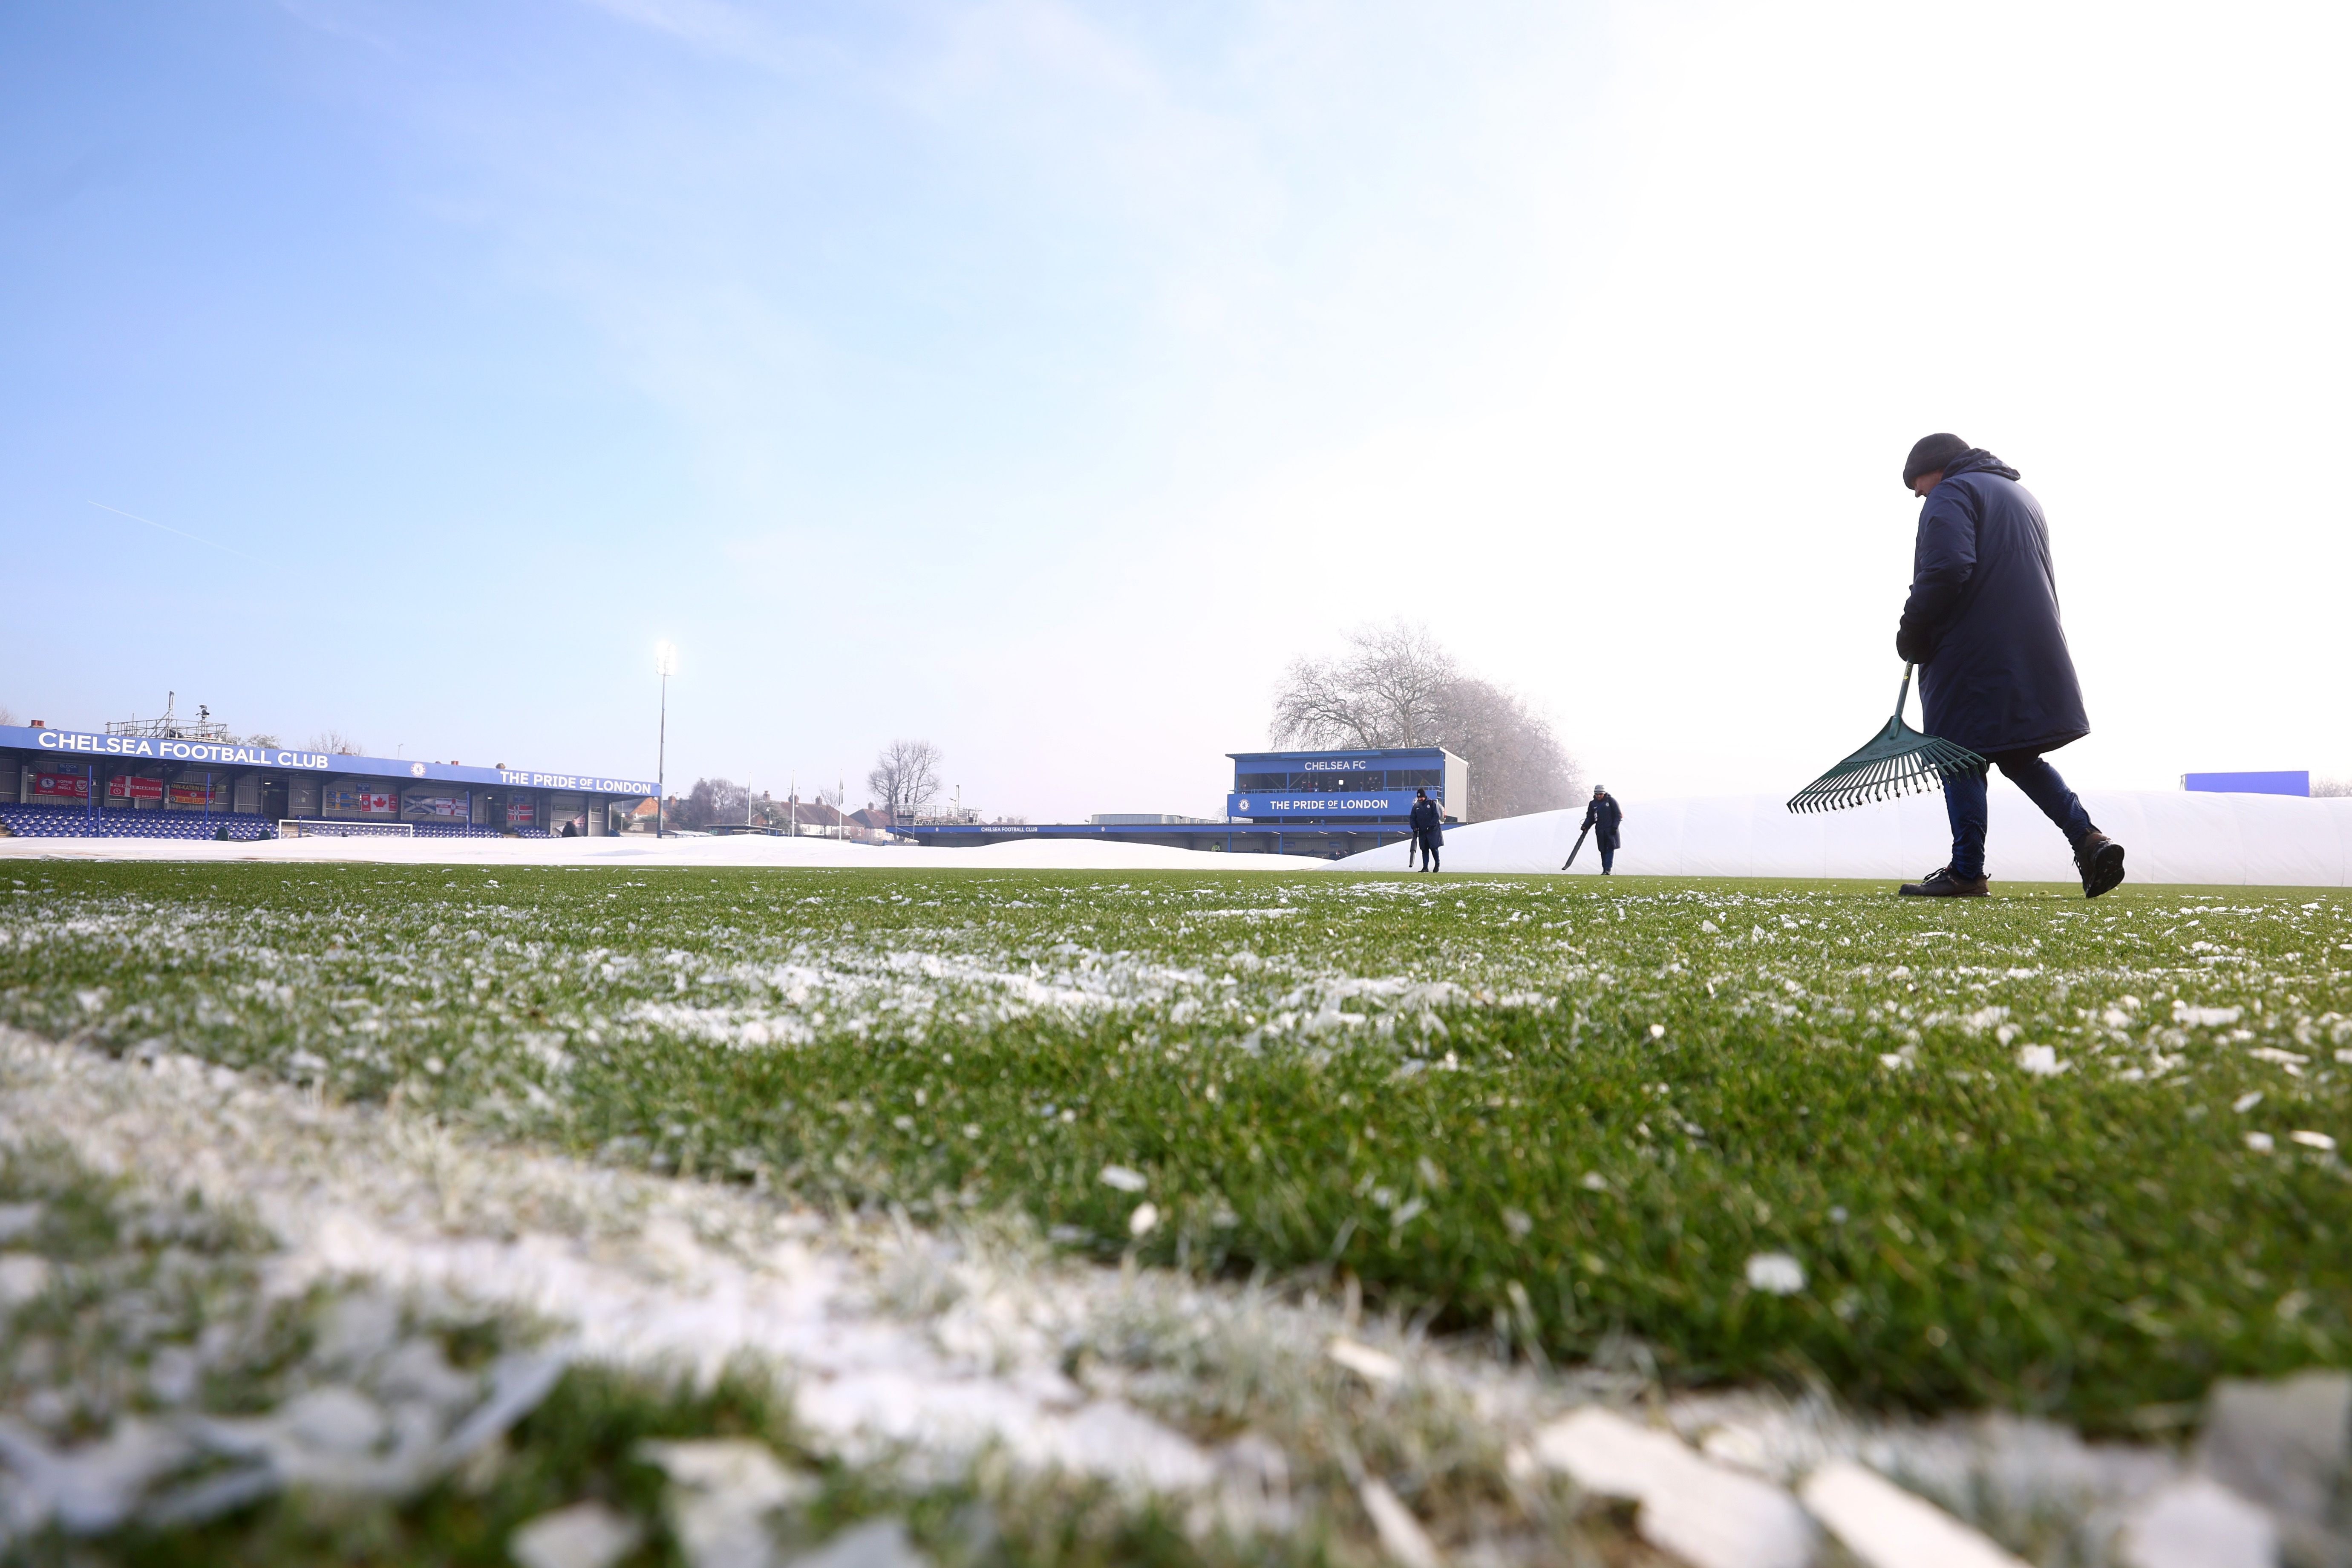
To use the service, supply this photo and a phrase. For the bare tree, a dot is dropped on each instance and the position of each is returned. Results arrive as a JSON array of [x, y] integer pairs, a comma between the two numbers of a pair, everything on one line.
[[711, 801], [2331, 788], [1397, 685], [6, 717], [336, 742], [906, 778], [1516, 763], [1385, 692]]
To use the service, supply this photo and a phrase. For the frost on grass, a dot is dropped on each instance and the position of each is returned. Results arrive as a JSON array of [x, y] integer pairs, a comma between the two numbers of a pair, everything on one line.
[[1548, 1112], [407, 1293], [158, 1376]]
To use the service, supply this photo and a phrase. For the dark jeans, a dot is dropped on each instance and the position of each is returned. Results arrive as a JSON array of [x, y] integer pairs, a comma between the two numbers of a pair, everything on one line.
[[1430, 844], [1964, 801], [1608, 859]]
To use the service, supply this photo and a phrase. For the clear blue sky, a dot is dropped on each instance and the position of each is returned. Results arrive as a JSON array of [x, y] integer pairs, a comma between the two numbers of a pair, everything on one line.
[[1039, 378]]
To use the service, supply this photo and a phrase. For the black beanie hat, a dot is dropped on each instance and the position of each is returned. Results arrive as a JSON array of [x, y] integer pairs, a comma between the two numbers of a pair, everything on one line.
[[1930, 453]]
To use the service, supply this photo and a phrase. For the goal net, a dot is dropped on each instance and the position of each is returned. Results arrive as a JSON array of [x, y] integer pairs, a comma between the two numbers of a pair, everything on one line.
[[289, 828]]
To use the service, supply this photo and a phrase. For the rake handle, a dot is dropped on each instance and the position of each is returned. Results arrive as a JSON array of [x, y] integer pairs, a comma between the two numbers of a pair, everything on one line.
[[1903, 692]]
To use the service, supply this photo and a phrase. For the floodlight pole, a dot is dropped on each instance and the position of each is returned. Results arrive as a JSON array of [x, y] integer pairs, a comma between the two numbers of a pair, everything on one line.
[[664, 660]]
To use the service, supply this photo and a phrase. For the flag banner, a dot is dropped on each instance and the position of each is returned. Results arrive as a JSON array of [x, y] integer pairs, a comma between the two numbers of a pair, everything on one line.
[[347, 802]]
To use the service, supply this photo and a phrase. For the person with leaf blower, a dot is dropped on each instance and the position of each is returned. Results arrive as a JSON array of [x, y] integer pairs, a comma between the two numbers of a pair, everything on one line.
[[1428, 831], [1994, 672], [1602, 816]]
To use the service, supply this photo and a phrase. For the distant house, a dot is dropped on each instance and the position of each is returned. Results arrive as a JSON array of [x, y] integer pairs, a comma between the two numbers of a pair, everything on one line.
[[811, 819]]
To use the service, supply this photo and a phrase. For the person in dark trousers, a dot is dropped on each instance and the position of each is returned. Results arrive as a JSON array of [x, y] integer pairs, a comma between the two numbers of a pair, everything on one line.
[[1994, 674], [1602, 816], [1428, 835]]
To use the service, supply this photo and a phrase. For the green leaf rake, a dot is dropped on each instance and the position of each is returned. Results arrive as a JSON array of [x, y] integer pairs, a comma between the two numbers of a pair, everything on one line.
[[1898, 761]]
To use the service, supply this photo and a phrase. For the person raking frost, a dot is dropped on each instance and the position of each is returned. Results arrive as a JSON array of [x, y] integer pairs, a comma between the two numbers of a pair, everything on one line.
[[1428, 835], [1602, 816], [1994, 674]]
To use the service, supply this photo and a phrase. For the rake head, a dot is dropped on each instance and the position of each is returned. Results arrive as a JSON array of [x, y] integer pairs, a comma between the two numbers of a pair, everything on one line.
[[1898, 761]]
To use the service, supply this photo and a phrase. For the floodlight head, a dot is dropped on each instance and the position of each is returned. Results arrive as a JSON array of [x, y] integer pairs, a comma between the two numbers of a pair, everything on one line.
[[665, 659]]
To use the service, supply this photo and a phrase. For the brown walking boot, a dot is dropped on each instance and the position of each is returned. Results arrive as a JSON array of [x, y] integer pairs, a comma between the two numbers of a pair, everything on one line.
[[1942, 884], [2101, 861]]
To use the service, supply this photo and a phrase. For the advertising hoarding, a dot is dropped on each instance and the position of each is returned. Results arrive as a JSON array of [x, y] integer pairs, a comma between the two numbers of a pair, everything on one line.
[[2298, 782]]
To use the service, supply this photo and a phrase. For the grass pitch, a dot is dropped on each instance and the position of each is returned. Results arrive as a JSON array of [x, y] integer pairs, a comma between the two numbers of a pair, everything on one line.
[[2027, 1152]]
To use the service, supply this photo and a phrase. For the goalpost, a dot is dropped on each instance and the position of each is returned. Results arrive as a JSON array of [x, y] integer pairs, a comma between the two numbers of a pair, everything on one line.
[[290, 827]]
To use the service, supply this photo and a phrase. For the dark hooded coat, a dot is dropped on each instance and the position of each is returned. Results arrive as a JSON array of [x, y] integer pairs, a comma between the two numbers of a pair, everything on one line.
[[1426, 821], [1602, 816], [1982, 619]]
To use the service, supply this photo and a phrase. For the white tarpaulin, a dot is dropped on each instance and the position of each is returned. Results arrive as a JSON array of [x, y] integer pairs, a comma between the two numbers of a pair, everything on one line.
[[2168, 836], [754, 850]]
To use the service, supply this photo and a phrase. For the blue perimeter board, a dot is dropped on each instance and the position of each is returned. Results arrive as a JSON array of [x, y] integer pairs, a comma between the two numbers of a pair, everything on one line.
[[2248, 784]]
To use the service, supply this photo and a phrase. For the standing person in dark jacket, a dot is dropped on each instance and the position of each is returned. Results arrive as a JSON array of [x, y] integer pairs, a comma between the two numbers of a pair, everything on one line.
[[1428, 836], [1602, 816], [1994, 672]]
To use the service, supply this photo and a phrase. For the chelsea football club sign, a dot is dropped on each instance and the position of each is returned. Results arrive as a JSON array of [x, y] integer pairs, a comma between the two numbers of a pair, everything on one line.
[[81, 745]]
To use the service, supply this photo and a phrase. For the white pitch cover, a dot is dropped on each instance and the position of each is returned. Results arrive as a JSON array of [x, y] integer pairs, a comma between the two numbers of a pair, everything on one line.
[[2168, 836]]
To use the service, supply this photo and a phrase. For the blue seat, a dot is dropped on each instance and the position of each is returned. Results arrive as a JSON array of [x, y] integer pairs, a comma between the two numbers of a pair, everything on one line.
[[112, 822]]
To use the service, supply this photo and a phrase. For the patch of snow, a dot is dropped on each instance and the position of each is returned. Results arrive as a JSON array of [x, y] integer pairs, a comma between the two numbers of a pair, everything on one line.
[[1887, 1527], [2196, 1522], [1711, 1516], [585, 1535], [1372, 1365], [23, 1276], [722, 1491], [876, 1543], [1401, 1536]]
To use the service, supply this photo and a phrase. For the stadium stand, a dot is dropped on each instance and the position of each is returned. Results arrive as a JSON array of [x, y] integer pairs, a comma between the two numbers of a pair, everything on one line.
[[150, 779]]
